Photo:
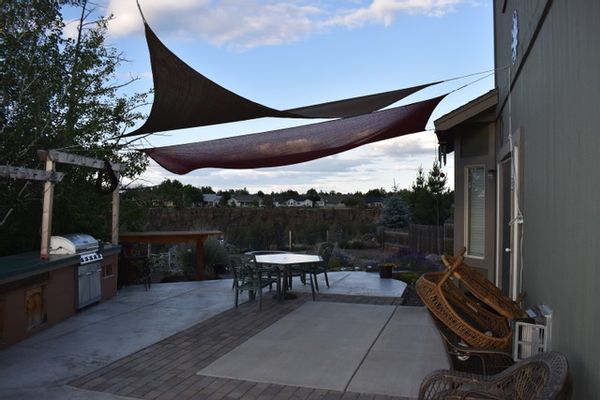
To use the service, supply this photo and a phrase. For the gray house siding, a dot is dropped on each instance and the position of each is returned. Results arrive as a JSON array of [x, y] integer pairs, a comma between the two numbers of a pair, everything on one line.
[[554, 104], [479, 136]]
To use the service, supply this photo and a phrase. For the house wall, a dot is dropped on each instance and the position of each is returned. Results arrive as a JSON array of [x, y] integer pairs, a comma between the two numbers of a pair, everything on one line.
[[475, 146], [554, 105]]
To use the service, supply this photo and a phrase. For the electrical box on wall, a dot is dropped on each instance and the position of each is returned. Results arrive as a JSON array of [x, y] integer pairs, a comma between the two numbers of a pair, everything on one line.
[[533, 338]]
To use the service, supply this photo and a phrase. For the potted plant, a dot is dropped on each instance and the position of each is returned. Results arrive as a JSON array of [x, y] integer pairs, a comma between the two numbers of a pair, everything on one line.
[[385, 270]]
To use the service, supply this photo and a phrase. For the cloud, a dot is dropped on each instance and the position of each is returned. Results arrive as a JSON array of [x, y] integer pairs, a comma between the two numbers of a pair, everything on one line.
[[385, 11], [239, 24], [243, 24]]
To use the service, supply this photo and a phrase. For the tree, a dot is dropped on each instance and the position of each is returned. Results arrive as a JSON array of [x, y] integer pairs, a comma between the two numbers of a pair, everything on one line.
[[395, 214], [429, 201], [58, 92], [312, 195], [355, 200], [377, 193]]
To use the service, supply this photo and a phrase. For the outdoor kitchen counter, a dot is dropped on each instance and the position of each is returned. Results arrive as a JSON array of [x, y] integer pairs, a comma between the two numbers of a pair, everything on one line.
[[35, 293], [23, 265]]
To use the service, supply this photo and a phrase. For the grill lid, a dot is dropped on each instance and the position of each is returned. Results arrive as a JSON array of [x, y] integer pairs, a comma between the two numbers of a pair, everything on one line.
[[74, 243]]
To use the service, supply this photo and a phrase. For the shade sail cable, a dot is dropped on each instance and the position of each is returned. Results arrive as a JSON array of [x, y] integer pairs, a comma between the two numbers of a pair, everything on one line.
[[295, 145]]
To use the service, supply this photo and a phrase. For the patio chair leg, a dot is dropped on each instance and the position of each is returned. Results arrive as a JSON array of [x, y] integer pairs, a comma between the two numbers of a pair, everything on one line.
[[326, 279], [260, 299], [316, 282], [312, 287], [237, 293]]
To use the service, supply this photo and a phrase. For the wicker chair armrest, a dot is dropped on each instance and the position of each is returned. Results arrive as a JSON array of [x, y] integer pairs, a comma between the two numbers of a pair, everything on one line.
[[439, 384]]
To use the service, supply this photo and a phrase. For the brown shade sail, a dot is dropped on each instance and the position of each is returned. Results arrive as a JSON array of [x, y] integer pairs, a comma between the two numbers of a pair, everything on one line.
[[184, 98], [295, 145]]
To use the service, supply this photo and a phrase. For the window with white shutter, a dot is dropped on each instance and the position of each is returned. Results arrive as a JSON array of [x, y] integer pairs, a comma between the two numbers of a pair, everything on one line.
[[475, 223]]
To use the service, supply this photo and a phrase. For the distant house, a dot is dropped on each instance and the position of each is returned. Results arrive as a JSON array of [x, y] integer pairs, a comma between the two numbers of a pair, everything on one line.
[[293, 202], [319, 203], [374, 202], [211, 200], [248, 200], [334, 201]]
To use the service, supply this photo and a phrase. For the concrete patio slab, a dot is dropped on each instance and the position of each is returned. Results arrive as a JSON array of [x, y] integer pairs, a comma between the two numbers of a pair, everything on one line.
[[149, 344], [355, 283], [319, 345], [408, 349], [98, 335]]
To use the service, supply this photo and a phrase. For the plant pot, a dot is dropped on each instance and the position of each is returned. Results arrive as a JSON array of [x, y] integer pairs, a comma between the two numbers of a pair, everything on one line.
[[385, 271]]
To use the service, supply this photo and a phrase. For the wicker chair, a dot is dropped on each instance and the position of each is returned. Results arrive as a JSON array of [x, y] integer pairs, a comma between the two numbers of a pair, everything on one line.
[[471, 321], [541, 377], [482, 288], [465, 358]]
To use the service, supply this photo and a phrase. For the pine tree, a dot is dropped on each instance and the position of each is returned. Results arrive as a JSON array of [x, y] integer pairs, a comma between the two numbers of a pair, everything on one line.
[[395, 214], [430, 201]]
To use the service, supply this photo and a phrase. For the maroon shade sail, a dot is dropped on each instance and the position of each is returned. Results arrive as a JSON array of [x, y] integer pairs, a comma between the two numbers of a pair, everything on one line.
[[295, 145], [184, 98]]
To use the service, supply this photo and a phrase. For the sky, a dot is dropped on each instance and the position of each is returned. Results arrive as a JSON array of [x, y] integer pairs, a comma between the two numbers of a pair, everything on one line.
[[291, 53]]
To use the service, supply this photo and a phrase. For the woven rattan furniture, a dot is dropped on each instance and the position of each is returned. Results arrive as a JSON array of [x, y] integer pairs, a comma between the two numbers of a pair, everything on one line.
[[481, 287], [471, 321], [465, 358], [541, 377]]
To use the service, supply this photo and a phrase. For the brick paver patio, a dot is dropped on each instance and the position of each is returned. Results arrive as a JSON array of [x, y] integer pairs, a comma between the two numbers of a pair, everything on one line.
[[167, 369]]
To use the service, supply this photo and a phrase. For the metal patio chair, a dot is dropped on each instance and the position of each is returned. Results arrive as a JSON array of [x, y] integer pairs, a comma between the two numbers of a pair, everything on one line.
[[247, 276], [135, 267], [313, 270]]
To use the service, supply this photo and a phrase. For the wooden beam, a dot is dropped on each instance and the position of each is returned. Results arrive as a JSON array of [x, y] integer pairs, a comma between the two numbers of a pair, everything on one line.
[[8, 171], [47, 212], [115, 213], [72, 159]]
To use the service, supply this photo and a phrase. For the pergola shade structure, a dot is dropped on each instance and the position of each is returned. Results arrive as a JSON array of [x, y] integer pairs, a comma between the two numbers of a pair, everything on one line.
[[295, 145], [184, 98]]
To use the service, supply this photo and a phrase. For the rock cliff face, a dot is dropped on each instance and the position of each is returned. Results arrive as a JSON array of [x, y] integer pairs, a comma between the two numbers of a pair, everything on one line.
[[263, 228]]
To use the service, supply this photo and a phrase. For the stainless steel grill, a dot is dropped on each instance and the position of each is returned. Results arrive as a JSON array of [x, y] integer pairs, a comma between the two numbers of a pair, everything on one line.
[[89, 272]]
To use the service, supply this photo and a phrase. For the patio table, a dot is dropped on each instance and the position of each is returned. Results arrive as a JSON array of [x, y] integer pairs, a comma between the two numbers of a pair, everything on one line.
[[285, 261]]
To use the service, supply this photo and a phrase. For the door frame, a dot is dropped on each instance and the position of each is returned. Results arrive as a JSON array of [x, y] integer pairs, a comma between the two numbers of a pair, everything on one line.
[[510, 153]]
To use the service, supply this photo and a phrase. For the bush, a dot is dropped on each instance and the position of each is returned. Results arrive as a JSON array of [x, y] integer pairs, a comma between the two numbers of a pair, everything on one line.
[[415, 260]]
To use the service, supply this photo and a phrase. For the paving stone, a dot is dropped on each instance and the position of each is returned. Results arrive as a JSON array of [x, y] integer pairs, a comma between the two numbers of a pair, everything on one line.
[[167, 369]]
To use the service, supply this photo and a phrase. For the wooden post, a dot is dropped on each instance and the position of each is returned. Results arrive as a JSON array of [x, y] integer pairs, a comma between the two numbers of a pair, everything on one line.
[[47, 212], [200, 273], [115, 213]]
